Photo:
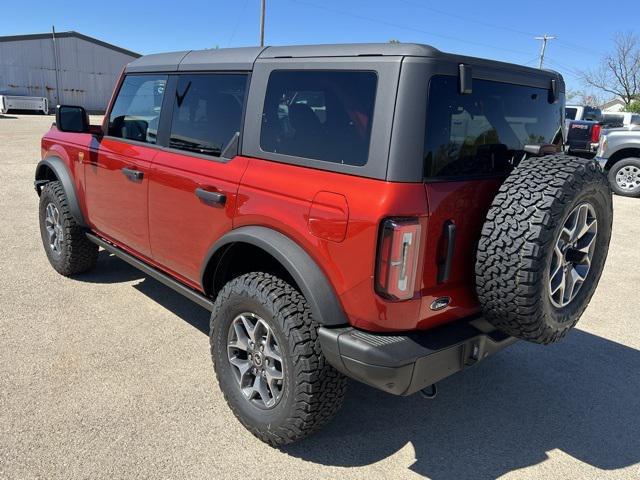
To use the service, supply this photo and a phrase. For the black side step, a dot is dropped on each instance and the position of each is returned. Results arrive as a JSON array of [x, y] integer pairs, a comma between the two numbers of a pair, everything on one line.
[[191, 294]]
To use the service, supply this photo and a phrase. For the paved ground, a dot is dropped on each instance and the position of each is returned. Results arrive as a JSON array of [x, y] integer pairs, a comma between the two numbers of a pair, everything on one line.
[[108, 376]]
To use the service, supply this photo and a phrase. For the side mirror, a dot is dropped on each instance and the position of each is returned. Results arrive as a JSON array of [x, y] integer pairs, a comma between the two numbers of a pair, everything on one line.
[[70, 118]]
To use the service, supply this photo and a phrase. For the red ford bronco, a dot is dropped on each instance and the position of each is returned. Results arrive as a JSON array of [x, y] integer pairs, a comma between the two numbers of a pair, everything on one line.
[[389, 213]]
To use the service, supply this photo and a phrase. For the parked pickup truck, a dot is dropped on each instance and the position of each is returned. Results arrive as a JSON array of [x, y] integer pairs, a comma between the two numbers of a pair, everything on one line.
[[619, 155], [15, 102], [583, 137], [582, 112], [620, 119], [385, 212]]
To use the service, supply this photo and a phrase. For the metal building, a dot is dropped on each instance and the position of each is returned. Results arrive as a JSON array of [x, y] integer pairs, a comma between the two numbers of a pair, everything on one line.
[[69, 68]]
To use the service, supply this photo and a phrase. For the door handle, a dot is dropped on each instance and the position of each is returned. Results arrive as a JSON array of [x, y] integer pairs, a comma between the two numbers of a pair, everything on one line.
[[444, 268], [211, 198], [132, 174]]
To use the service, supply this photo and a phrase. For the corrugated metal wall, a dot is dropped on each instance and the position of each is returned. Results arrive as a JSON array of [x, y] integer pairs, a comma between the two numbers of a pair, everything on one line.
[[87, 71]]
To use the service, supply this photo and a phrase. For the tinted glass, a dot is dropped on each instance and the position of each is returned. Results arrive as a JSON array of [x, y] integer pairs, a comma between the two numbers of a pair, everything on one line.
[[207, 112], [570, 113], [592, 114], [485, 132], [136, 111], [613, 120], [323, 115], [635, 120]]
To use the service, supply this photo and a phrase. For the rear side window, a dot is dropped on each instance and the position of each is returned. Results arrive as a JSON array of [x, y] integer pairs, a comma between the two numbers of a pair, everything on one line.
[[483, 133], [207, 112], [613, 120], [321, 115], [570, 113], [136, 111]]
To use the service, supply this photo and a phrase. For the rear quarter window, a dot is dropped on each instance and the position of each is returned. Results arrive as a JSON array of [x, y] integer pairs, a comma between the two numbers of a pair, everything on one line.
[[320, 115]]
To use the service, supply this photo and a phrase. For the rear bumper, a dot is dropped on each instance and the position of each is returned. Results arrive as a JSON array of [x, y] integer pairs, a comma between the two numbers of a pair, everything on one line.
[[405, 364]]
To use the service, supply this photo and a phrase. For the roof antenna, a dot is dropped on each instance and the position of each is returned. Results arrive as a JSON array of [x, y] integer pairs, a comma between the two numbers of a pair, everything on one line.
[[262, 14]]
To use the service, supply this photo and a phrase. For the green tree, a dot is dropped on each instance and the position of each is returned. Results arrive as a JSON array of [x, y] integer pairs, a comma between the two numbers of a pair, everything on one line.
[[634, 106]]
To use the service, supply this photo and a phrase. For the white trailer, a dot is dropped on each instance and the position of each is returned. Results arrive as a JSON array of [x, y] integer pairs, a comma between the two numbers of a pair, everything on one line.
[[14, 102]]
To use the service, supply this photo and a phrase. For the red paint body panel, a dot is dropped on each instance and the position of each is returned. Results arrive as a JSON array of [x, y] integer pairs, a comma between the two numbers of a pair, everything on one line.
[[334, 217], [466, 205], [116, 205], [329, 216], [182, 227]]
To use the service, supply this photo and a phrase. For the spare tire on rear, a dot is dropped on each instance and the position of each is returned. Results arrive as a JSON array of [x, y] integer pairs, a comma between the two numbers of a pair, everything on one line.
[[543, 246]]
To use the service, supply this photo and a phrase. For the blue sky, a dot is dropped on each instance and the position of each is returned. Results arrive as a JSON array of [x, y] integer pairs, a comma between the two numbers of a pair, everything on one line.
[[500, 30]]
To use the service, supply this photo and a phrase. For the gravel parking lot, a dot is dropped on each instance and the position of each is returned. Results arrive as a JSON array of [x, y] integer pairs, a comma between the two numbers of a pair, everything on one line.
[[108, 375]]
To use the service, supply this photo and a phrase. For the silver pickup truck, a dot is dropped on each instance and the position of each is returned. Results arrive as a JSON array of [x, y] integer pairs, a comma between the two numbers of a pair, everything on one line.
[[619, 155]]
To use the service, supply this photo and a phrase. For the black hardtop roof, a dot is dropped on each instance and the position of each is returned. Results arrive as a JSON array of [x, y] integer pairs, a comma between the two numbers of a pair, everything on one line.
[[243, 58]]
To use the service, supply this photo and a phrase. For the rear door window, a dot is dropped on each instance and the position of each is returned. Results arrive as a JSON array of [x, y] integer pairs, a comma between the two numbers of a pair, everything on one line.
[[136, 111], [483, 133], [321, 115], [207, 112]]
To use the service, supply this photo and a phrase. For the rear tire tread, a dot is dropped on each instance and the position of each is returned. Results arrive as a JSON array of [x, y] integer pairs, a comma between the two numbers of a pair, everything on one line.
[[317, 387]]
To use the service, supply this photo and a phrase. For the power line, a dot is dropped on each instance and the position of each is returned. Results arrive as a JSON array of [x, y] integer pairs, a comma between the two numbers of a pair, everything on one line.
[[545, 38], [235, 27], [468, 19], [408, 28], [561, 43]]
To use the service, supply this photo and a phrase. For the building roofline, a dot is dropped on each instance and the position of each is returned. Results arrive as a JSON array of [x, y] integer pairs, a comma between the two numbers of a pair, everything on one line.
[[69, 34]]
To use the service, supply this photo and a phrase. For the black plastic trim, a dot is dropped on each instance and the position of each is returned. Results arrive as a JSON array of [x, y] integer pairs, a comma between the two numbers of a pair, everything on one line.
[[403, 364], [62, 174], [191, 294], [311, 280]]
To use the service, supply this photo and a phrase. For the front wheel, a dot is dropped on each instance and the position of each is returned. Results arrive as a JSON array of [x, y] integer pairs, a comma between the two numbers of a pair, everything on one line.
[[268, 360], [68, 249], [624, 177]]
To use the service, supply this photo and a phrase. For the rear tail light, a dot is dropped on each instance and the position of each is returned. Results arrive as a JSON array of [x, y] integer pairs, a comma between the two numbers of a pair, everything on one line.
[[397, 263], [595, 133]]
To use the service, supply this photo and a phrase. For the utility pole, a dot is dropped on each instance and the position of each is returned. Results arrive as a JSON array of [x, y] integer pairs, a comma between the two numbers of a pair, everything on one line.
[[544, 39], [262, 13], [55, 64]]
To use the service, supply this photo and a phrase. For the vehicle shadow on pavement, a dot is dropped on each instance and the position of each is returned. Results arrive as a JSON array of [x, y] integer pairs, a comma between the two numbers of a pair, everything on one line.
[[581, 396], [110, 269], [7, 117]]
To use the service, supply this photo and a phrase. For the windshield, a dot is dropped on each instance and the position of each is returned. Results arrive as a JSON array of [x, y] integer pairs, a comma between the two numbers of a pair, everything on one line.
[[570, 113], [484, 133]]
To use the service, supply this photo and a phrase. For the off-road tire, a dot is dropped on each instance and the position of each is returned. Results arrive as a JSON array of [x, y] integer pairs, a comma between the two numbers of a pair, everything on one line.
[[613, 172], [518, 238], [313, 390], [77, 254]]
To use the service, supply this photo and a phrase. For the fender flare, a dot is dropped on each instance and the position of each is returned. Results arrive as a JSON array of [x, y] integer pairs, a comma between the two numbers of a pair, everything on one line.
[[62, 174], [311, 280]]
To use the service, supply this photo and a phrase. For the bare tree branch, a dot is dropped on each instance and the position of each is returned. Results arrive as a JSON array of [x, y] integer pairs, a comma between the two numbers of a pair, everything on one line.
[[619, 71]]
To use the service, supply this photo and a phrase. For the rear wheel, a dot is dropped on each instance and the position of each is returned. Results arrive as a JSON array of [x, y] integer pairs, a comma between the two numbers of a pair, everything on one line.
[[68, 249], [543, 247], [268, 360], [624, 177]]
